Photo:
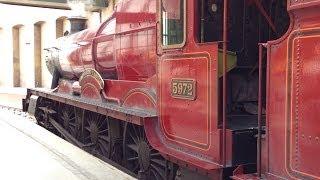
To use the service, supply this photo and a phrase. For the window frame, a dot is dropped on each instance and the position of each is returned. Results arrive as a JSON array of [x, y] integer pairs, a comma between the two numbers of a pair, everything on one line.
[[183, 43]]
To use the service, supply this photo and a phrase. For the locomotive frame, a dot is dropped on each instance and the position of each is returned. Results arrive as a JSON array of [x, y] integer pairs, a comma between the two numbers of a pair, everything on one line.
[[138, 120]]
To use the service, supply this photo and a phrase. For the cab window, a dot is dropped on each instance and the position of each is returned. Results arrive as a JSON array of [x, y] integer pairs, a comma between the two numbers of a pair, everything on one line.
[[173, 23]]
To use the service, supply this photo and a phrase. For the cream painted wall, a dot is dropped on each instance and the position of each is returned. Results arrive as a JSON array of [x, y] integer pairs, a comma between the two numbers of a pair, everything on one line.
[[11, 15], [2, 52], [6, 68]]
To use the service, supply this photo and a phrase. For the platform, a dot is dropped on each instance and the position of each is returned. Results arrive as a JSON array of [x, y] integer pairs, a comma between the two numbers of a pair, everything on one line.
[[12, 97], [31, 152]]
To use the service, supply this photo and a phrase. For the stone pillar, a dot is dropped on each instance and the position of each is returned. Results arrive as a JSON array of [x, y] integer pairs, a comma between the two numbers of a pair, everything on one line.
[[16, 54], [38, 48], [61, 26], [27, 66]]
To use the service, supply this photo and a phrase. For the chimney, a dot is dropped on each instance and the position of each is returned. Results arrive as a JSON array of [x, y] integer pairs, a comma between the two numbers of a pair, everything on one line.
[[77, 23]]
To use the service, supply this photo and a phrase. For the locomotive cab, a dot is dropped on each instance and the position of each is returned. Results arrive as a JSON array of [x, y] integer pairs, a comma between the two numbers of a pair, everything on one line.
[[208, 75]]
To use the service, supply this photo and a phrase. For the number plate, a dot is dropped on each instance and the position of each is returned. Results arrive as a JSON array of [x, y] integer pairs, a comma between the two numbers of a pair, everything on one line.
[[183, 89]]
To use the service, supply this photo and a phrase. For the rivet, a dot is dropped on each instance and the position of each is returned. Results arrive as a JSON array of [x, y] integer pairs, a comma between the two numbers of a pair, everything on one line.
[[317, 138]]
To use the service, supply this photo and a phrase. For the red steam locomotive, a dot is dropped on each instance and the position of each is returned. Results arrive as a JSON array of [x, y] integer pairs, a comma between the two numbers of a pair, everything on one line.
[[186, 89]]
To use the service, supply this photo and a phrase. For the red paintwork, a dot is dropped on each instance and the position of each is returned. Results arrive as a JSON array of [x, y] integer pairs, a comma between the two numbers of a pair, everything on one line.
[[191, 125], [254, 177], [122, 48], [125, 47], [292, 145], [65, 86], [303, 108], [123, 51], [90, 88]]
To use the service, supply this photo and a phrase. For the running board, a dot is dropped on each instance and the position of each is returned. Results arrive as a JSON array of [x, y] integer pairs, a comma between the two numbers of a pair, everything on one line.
[[110, 109]]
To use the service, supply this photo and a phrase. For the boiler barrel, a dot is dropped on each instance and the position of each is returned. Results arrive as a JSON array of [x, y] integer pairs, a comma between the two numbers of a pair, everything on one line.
[[71, 55]]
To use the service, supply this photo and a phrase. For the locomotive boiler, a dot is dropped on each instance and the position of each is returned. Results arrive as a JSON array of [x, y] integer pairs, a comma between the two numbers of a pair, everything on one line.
[[186, 89], [75, 53]]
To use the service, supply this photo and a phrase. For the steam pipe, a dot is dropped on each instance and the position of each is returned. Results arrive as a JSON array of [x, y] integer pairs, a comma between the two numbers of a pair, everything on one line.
[[265, 14], [224, 101], [259, 112], [243, 27], [202, 20]]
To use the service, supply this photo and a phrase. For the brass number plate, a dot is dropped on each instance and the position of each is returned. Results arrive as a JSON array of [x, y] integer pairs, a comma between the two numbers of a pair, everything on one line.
[[183, 89]]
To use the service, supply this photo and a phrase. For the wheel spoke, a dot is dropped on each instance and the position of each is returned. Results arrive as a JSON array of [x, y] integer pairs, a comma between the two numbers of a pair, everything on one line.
[[64, 114], [72, 130], [136, 143], [155, 174], [69, 120], [89, 145], [90, 121], [133, 138], [155, 154], [133, 147], [103, 149], [101, 123], [135, 133], [87, 138], [136, 167], [133, 159], [158, 171], [88, 129], [159, 162], [105, 138], [96, 128], [141, 134], [103, 131]]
